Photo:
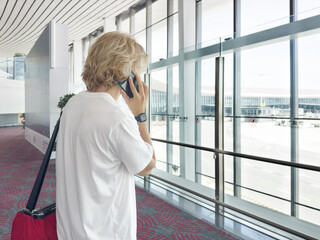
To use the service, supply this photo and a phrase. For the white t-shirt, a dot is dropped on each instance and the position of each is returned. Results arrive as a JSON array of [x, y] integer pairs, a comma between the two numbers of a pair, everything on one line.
[[99, 149]]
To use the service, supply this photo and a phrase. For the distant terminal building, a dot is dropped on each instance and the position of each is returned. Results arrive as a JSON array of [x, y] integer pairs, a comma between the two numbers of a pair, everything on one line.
[[254, 101]]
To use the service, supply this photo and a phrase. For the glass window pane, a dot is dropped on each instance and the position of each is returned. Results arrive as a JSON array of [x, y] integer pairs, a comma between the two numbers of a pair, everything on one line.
[[158, 106], [309, 99], [206, 121], [85, 49], [175, 6], [309, 142], [308, 8], [158, 103], [175, 35], [265, 80], [265, 92], [266, 138], [19, 68], [10, 68], [165, 123], [159, 11], [267, 178], [217, 20], [260, 15], [309, 187], [140, 20], [159, 41], [228, 175], [125, 25], [141, 38], [161, 155], [3, 68]]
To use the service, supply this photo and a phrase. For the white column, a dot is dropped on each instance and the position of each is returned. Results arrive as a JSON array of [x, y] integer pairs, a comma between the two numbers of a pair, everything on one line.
[[187, 37], [132, 21], [77, 68]]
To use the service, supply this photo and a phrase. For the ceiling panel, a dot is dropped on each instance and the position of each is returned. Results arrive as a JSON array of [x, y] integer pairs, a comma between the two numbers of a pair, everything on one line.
[[22, 21], [6, 14], [28, 31], [109, 11], [16, 13]]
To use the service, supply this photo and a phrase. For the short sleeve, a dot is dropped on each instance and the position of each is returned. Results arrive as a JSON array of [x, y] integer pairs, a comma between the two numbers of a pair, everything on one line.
[[129, 147]]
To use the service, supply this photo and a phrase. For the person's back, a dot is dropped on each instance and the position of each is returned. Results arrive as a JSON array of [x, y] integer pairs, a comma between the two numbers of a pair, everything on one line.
[[100, 147]]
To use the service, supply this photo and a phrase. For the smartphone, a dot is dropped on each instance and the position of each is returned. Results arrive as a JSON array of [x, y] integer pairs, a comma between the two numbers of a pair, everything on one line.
[[126, 86]]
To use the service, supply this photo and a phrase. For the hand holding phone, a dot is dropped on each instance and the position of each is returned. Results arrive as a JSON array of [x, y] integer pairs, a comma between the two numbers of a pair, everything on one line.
[[125, 86], [138, 102]]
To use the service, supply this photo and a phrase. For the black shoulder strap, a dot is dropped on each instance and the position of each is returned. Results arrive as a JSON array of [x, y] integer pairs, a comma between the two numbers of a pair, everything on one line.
[[42, 172]]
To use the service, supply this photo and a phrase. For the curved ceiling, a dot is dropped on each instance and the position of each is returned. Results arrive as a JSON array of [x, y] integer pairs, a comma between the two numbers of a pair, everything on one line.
[[22, 21]]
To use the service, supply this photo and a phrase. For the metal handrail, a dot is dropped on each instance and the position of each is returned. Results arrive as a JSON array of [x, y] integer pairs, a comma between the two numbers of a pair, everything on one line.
[[241, 155], [241, 116]]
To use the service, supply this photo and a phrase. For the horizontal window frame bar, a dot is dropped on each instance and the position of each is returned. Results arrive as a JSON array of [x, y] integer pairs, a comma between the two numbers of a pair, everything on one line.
[[241, 155], [242, 116]]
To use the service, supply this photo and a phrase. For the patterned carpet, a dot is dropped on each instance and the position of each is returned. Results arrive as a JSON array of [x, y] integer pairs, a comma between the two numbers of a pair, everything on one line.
[[19, 165], [159, 220]]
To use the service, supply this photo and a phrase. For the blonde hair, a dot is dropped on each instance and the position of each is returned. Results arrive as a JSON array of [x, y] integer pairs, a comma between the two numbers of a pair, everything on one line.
[[112, 58]]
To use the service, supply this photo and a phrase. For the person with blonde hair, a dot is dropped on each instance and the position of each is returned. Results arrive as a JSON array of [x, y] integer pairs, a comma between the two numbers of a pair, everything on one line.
[[102, 144]]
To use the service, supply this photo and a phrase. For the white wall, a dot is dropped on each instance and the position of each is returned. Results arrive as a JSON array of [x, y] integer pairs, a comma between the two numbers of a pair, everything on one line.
[[11, 96]]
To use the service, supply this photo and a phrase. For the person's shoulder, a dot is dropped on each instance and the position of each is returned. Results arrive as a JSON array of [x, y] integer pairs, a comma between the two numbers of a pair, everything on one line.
[[71, 101], [120, 114], [123, 110]]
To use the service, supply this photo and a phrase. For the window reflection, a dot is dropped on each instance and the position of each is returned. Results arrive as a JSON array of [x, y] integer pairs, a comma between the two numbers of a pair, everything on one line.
[[260, 15], [217, 21], [159, 41], [12, 68], [308, 8]]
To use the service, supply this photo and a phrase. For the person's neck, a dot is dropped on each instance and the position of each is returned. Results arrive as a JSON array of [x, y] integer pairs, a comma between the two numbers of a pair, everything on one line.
[[114, 91]]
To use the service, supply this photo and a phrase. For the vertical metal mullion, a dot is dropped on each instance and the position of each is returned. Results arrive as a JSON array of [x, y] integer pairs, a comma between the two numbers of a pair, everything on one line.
[[146, 181], [198, 90], [148, 29], [148, 50], [148, 109], [236, 100], [149, 83], [219, 128], [294, 113], [219, 139], [181, 87], [187, 38], [237, 171], [169, 86]]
